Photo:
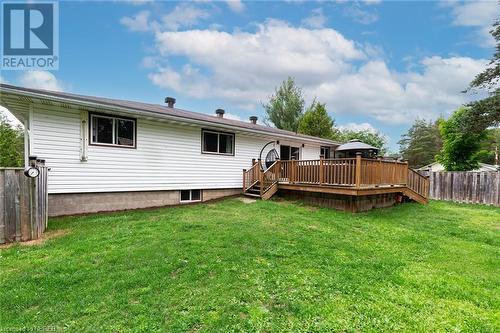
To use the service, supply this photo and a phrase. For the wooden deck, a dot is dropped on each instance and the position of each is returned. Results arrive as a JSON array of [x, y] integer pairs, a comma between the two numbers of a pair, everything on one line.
[[344, 176]]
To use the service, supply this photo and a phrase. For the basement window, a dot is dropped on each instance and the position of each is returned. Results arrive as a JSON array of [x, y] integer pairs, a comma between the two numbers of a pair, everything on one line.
[[217, 143], [190, 195], [112, 131]]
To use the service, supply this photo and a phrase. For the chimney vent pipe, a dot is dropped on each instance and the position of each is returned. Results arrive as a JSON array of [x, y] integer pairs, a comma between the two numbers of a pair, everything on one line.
[[220, 113], [170, 102]]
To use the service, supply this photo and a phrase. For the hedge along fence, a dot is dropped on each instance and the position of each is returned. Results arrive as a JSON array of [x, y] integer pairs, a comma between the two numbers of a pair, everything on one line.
[[23, 205], [464, 186]]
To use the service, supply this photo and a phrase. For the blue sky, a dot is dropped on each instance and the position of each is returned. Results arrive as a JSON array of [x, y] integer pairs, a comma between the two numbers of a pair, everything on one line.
[[377, 65]]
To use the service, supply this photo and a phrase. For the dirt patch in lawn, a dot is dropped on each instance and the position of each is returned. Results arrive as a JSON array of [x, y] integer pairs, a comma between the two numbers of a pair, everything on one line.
[[45, 236]]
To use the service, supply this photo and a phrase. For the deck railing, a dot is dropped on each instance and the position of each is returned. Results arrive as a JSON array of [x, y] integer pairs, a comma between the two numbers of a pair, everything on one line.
[[349, 172]]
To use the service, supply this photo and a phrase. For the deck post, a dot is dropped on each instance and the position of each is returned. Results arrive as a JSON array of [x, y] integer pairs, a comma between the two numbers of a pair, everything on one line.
[[244, 185], [253, 161], [379, 170], [321, 171], [278, 171], [261, 181], [292, 172], [406, 172], [358, 169]]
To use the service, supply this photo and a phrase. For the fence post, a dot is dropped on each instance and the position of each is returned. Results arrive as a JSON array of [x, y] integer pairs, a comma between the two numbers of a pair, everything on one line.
[[358, 170]]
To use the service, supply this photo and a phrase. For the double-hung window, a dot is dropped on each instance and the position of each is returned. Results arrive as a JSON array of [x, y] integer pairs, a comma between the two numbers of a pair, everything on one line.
[[214, 142], [112, 131]]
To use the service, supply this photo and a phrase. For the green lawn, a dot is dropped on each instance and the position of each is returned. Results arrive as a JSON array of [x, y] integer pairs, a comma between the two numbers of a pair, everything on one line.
[[266, 266]]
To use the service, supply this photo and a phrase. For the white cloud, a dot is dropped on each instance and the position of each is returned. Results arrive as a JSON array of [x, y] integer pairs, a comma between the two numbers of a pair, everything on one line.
[[260, 60], [140, 22], [360, 15], [358, 127], [478, 14], [316, 20], [40, 80], [10, 117], [232, 116], [393, 97], [236, 6], [372, 2], [184, 15], [243, 68]]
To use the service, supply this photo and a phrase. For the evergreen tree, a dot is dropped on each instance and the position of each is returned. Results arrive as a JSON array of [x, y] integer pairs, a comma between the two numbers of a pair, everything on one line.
[[421, 143], [286, 106]]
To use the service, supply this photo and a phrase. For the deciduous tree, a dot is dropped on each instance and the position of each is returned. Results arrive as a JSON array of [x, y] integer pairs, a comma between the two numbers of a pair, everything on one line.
[[317, 122], [11, 144]]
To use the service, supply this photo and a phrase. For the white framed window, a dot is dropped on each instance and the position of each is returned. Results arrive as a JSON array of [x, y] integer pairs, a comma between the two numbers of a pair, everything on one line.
[[112, 131], [213, 142], [190, 195]]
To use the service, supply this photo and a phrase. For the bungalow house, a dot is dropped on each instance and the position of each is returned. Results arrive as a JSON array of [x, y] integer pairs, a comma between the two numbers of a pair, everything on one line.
[[107, 154]]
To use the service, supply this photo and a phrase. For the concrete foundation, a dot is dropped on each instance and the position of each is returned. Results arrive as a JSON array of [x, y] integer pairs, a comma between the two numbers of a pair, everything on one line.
[[343, 202], [83, 203]]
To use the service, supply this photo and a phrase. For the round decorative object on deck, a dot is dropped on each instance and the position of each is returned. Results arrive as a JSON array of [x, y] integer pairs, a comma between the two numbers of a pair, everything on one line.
[[32, 172]]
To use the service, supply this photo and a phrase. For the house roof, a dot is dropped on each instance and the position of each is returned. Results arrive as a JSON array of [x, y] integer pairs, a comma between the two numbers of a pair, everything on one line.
[[153, 110], [355, 145]]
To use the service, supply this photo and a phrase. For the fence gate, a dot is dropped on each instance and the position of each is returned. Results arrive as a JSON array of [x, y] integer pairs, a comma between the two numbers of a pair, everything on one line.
[[23, 205]]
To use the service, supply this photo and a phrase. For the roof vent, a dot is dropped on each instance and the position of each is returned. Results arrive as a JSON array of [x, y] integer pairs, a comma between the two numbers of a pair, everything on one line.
[[170, 102], [253, 119], [220, 113]]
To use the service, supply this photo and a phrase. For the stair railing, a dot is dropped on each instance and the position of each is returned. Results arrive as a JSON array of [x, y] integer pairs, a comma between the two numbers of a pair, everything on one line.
[[251, 176], [269, 177], [418, 183]]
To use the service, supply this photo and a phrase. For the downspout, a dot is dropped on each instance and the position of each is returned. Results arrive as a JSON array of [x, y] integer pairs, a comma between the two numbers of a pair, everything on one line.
[[28, 144]]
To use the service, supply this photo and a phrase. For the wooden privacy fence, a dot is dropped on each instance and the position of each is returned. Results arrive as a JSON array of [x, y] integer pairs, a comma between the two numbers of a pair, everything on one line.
[[23, 205], [468, 187]]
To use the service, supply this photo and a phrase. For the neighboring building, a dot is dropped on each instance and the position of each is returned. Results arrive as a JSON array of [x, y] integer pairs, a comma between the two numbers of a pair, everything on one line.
[[436, 166], [107, 154]]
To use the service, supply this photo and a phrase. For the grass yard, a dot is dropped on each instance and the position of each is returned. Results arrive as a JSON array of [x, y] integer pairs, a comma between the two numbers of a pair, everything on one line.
[[266, 266]]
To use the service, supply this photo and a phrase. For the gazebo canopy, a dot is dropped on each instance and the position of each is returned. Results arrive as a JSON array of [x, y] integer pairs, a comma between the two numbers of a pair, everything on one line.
[[356, 145]]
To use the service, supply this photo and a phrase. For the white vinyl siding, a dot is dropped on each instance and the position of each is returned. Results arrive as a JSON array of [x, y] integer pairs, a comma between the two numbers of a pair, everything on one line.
[[168, 156]]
